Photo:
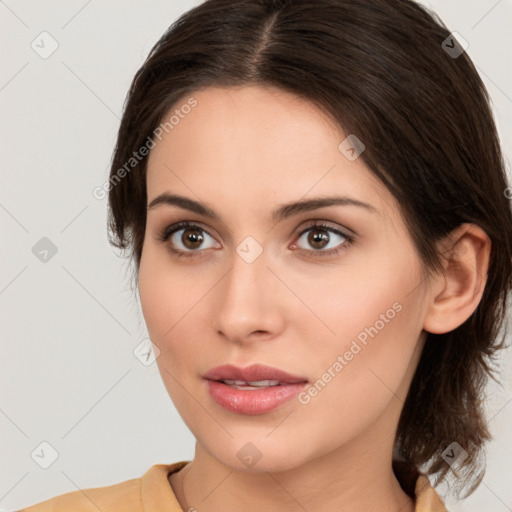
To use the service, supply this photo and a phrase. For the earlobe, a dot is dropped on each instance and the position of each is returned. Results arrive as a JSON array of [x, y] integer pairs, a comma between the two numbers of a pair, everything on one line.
[[456, 292]]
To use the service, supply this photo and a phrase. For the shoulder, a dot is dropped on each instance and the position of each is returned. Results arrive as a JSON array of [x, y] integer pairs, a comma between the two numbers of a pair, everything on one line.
[[127, 496], [417, 485], [427, 499], [108, 499]]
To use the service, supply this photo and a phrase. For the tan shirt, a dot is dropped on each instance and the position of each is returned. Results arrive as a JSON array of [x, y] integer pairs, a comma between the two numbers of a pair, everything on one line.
[[153, 493]]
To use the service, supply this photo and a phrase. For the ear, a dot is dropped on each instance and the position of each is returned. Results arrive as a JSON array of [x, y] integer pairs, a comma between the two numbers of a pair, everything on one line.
[[456, 292]]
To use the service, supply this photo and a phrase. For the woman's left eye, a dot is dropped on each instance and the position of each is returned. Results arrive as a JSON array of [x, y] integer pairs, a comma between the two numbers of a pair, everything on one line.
[[319, 236], [187, 239]]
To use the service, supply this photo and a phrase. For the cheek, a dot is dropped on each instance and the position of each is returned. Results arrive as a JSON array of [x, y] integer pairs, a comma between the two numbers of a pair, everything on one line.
[[172, 299], [165, 295], [376, 323], [356, 303], [153, 292], [357, 383]]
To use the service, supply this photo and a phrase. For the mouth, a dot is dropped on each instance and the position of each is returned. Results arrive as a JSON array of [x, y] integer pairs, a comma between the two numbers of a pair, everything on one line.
[[254, 376], [256, 389], [251, 385]]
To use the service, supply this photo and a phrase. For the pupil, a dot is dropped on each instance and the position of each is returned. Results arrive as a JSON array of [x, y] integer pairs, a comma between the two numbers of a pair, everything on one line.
[[194, 238], [318, 238]]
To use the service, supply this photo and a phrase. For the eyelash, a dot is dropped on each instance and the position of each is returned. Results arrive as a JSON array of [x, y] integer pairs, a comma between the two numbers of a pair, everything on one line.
[[167, 232]]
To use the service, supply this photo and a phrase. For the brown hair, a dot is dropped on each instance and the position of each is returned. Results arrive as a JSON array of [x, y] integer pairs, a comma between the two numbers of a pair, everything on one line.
[[380, 69]]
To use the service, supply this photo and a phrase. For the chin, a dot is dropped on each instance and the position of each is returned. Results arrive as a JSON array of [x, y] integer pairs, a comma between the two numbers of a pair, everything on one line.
[[259, 457]]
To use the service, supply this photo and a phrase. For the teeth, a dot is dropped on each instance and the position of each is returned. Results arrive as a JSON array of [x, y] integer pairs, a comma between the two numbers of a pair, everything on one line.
[[254, 383]]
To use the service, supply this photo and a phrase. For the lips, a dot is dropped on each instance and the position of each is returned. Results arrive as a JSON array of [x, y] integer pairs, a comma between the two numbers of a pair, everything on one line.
[[256, 389], [256, 374]]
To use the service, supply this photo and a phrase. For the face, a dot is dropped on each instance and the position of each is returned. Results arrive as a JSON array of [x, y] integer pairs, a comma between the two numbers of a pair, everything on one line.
[[331, 293]]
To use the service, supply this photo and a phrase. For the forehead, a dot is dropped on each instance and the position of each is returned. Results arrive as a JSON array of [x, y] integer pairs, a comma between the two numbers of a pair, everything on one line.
[[252, 116], [255, 145]]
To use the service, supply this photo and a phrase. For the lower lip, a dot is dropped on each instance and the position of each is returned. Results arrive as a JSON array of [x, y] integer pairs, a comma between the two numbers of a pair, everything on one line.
[[247, 401]]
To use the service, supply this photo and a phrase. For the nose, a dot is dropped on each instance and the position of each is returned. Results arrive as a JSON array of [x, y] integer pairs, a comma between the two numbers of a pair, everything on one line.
[[248, 302]]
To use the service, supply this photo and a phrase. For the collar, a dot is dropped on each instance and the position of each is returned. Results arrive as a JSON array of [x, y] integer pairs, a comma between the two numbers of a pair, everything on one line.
[[157, 494]]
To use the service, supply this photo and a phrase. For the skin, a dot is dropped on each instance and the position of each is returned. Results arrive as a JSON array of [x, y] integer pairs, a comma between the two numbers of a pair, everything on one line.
[[245, 151]]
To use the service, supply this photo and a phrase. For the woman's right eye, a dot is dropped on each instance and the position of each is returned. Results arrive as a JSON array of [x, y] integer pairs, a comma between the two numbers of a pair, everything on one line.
[[186, 239]]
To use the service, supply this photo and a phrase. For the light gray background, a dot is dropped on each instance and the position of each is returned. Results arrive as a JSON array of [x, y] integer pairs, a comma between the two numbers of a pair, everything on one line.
[[69, 326]]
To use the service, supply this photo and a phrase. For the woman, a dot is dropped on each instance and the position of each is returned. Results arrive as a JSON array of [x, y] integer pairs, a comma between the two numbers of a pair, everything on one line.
[[315, 201]]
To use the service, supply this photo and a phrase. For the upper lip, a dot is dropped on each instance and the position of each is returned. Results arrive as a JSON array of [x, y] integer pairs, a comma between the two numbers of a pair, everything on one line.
[[255, 372]]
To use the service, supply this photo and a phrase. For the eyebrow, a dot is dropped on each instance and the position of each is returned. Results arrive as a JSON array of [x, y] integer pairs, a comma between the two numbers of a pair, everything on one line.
[[283, 212]]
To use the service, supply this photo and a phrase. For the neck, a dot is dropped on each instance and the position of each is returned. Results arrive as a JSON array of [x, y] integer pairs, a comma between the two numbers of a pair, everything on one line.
[[352, 478]]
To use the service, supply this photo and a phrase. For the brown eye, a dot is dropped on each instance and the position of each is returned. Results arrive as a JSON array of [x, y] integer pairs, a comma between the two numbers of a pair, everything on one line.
[[192, 238], [323, 240], [318, 238], [187, 239]]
